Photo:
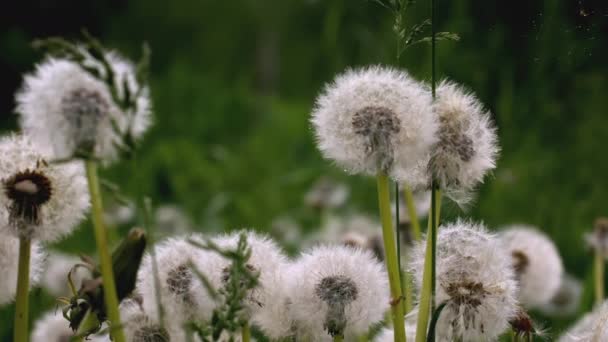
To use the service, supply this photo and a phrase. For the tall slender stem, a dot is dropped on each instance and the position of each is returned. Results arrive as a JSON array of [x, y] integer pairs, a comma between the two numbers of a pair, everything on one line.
[[411, 210], [23, 286], [388, 235], [246, 332], [105, 261], [598, 265]]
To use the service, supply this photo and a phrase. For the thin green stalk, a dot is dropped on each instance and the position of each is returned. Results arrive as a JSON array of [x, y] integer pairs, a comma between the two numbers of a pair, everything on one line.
[[408, 290], [23, 286], [435, 200], [411, 210], [599, 276], [388, 235], [246, 332], [105, 261]]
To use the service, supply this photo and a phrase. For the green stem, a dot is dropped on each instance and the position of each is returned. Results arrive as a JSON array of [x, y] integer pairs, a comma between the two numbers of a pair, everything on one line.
[[427, 293], [338, 338], [105, 262], [408, 290], [388, 235], [599, 276], [23, 286], [246, 332], [411, 210]]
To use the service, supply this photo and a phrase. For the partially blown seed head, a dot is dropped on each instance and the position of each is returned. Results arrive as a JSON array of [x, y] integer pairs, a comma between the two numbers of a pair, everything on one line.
[[39, 200], [467, 148], [474, 279], [567, 299], [536, 262], [374, 120], [591, 327]]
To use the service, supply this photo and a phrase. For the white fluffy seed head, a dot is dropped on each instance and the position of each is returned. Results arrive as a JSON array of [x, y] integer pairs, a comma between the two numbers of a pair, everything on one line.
[[566, 300], [336, 290], [55, 276], [467, 148], [376, 119], [267, 259], [182, 293], [9, 262], [591, 327], [474, 278], [39, 200], [64, 108], [52, 327], [536, 262]]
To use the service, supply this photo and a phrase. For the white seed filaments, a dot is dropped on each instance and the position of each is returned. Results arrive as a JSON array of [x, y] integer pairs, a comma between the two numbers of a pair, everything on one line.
[[377, 125], [179, 281], [337, 292], [83, 110], [465, 296], [28, 191]]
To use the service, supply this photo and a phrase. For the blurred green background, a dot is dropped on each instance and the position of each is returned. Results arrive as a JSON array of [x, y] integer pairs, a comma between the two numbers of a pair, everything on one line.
[[233, 83]]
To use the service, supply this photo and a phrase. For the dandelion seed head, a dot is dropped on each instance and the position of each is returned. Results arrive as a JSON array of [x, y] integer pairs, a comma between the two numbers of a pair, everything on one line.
[[376, 119], [66, 110], [467, 148], [593, 326], [138, 327], [181, 290], [598, 239], [474, 279], [537, 264], [326, 193], [336, 290], [52, 327]]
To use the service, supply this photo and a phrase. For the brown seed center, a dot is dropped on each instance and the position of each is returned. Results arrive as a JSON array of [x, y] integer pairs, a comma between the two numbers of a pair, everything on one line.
[[28, 191]]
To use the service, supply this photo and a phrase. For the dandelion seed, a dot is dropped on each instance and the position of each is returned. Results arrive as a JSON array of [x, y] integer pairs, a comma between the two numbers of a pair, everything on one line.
[[336, 291], [474, 279], [9, 256], [66, 110], [375, 120], [52, 327], [39, 200], [537, 264], [467, 147]]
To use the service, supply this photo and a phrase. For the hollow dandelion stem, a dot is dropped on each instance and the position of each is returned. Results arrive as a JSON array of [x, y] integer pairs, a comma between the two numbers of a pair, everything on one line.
[[598, 265], [105, 262], [388, 235], [23, 285]]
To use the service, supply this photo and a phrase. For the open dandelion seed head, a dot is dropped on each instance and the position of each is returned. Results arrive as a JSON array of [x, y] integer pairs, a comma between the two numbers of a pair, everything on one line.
[[336, 290], [172, 220], [592, 327], [376, 119], [39, 200], [138, 327], [567, 299], [267, 259], [537, 264], [326, 194], [66, 110], [598, 239], [180, 288], [55, 276], [474, 279], [9, 261], [52, 327], [467, 148]]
